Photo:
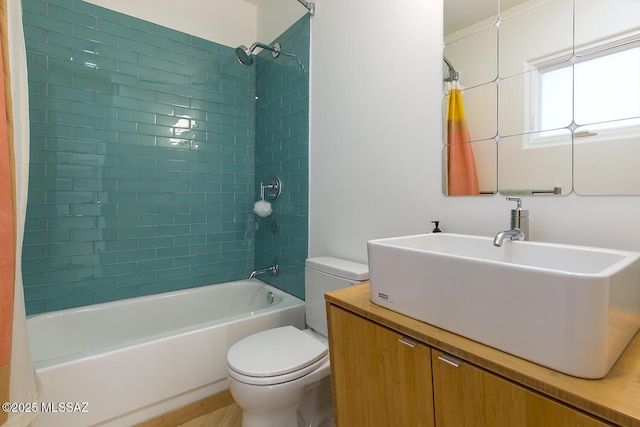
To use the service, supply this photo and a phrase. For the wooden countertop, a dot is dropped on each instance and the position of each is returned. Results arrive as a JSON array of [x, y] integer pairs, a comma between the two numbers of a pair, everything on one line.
[[615, 398]]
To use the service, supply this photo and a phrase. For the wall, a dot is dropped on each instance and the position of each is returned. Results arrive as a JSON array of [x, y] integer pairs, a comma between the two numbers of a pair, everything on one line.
[[228, 22], [143, 155], [275, 17], [376, 137], [142, 158], [282, 149], [375, 122], [375, 141]]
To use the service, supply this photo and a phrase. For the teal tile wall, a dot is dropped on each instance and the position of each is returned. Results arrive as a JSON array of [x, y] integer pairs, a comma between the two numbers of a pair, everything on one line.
[[282, 148], [142, 175]]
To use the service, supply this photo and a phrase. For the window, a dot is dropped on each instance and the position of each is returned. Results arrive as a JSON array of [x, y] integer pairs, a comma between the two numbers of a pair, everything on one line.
[[602, 90]]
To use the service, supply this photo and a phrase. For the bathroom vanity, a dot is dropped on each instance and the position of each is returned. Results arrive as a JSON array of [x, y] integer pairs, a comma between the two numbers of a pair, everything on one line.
[[392, 370]]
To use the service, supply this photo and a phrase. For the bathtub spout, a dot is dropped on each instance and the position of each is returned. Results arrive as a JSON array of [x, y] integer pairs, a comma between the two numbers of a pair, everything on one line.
[[273, 269]]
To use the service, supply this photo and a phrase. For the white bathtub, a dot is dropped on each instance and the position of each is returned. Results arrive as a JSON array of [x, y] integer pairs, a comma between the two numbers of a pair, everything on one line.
[[126, 361]]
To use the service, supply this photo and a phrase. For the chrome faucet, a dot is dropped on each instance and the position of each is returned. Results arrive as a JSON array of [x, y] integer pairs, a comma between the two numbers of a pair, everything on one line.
[[513, 234], [274, 269], [519, 224]]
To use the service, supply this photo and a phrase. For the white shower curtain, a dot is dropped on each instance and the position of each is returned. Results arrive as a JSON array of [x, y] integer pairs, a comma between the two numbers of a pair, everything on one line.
[[22, 386]]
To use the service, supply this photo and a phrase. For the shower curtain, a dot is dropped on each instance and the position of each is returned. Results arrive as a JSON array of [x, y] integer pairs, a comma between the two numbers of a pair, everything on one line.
[[462, 176], [17, 377]]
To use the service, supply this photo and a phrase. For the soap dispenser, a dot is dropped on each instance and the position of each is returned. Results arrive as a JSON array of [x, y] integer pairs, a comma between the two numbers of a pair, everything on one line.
[[519, 217]]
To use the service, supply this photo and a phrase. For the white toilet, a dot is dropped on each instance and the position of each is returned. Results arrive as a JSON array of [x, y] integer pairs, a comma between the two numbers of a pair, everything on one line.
[[280, 377]]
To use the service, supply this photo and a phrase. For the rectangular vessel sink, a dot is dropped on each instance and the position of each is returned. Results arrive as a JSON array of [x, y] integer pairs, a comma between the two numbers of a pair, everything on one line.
[[570, 308]]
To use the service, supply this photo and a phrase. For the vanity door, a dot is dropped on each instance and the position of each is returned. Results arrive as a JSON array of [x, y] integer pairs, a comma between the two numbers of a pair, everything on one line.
[[467, 396], [380, 378]]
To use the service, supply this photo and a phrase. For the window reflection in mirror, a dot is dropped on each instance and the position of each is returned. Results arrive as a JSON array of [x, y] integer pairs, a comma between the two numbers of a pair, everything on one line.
[[535, 64]]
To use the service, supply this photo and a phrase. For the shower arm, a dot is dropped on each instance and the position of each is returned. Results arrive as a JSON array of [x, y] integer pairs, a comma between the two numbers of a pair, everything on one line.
[[311, 6], [453, 74], [275, 49]]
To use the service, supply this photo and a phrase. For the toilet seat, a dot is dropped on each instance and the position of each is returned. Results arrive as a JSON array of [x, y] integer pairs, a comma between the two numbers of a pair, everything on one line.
[[275, 356]]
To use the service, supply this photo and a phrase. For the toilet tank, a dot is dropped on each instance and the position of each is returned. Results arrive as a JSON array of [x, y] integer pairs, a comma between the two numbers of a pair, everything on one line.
[[324, 274]]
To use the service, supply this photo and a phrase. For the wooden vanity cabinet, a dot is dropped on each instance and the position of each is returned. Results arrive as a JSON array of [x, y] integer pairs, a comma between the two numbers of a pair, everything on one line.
[[467, 396], [381, 378]]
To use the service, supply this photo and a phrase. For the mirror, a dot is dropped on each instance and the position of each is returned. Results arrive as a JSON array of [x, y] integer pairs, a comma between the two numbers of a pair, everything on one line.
[[551, 88]]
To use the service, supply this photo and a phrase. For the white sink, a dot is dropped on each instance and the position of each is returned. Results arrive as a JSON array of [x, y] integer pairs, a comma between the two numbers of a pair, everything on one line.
[[570, 308]]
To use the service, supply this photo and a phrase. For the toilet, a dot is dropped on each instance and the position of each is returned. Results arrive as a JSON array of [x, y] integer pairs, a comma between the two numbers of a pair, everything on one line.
[[280, 377]]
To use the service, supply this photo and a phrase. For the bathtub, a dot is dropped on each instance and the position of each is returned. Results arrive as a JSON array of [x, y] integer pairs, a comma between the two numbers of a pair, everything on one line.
[[122, 362]]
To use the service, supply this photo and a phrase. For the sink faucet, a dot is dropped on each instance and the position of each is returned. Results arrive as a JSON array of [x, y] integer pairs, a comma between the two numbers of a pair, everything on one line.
[[513, 234], [274, 269], [519, 224]]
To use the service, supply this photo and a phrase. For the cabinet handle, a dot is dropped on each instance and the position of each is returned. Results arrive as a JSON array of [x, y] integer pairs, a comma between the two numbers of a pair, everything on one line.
[[451, 360], [407, 342]]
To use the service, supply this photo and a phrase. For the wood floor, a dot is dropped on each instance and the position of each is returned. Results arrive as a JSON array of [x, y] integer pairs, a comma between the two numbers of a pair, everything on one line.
[[229, 416], [218, 410]]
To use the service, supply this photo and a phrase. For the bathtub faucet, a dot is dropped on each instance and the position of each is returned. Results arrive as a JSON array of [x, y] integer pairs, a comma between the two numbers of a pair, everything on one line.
[[274, 269]]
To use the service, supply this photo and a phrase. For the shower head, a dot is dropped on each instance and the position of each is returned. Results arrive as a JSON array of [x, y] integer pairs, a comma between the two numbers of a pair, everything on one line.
[[245, 54]]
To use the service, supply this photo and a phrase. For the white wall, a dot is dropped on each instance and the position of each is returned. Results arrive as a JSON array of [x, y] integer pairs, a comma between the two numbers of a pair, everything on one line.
[[228, 22], [376, 141], [275, 16], [375, 122]]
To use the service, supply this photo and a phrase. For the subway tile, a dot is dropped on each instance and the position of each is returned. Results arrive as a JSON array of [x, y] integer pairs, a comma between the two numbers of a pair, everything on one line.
[[42, 264], [96, 35], [134, 232], [35, 307], [33, 279], [138, 24], [119, 271], [91, 260], [69, 223], [93, 235], [117, 54], [32, 293], [113, 294], [155, 265], [176, 273], [134, 92], [190, 261], [72, 94], [41, 20], [138, 255], [120, 192], [48, 210], [155, 288], [155, 242], [70, 248], [70, 301], [171, 253], [93, 286], [133, 139], [91, 83]]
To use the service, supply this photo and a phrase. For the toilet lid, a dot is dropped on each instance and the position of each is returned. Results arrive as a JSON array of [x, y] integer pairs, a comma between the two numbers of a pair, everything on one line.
[[275, 352]]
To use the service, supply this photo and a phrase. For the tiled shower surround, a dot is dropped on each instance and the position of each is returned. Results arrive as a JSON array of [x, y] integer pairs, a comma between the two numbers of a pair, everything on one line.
[[146, 145]]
